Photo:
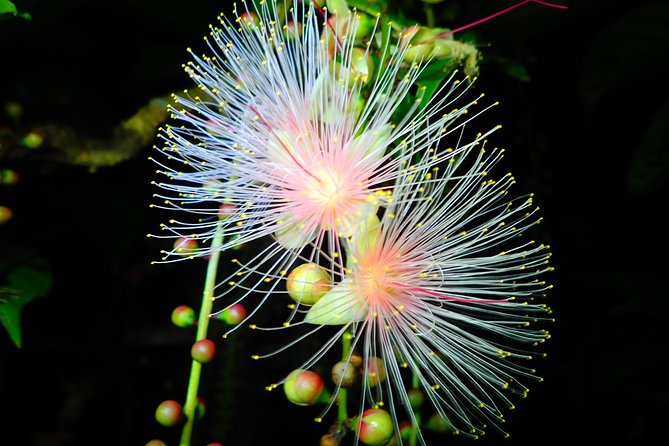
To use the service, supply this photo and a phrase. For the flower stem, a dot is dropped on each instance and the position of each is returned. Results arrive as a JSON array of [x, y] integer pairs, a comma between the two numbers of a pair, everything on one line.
[[413, 433], [429, 15], [202, 326], [342, 412]]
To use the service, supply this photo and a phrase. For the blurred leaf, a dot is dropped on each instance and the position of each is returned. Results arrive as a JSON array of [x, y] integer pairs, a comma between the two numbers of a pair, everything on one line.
[[8, 8], [510, 67], [649, 165], [371, 7], [23, 279]]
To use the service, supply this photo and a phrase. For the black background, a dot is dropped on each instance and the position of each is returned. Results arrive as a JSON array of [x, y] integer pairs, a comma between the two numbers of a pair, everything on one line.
[[588, 133]]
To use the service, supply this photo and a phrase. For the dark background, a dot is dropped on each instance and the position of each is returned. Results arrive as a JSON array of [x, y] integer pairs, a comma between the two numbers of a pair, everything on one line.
[[587, 132]]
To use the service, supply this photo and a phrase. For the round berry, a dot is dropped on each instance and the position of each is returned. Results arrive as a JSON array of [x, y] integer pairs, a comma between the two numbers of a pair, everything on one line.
[[233, 315], [345, 374], [5, 214], [437, 423], [183, 316], [169, 413], [307, 283], [328, 440], [303, 387], [376, 371], [375, 427], [156, 442], [185, 246], [405, 430], [416, 398], [203, 350]]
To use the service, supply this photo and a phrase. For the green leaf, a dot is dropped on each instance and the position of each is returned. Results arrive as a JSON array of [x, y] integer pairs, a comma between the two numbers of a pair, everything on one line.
[[7, 7], [24, 277], [369, 6]]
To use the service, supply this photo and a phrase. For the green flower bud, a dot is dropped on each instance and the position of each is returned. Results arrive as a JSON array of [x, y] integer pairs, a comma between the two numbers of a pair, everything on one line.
[[358, 69], [307, 283], [337, 7], [416, 37]]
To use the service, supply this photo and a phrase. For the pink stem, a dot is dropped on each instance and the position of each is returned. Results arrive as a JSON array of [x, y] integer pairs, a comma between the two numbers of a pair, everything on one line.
[[492, 16]]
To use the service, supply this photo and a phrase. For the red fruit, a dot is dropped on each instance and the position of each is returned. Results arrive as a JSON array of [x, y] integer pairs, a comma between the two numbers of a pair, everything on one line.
[[156, 442], [203, 351], [169, 413]]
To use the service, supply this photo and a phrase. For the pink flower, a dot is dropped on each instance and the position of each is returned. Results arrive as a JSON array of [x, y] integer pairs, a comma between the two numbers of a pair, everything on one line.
[[281, 135], [446, 289]]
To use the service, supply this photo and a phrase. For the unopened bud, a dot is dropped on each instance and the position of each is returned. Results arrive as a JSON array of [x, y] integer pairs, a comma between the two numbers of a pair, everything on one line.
[[185, 245], [307, 283], [303, 387], [376, 372], [375, 427], [345, 374]]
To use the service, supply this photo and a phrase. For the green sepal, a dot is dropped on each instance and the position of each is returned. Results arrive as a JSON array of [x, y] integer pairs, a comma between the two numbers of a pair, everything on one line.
[[22, 280]]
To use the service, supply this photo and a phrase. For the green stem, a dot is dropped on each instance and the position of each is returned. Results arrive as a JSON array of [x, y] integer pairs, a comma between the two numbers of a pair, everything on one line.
[[202, 326], [342, 412], [429, 14], [413, 433]]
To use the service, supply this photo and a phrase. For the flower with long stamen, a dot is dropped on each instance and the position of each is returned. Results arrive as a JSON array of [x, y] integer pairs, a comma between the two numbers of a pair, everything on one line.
[[446, 290], [284, 135]]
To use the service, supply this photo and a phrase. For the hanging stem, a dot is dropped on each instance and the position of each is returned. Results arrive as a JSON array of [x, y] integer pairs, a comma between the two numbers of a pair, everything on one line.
[[342, 413], [202, 326], [413, 433], [429, 15]]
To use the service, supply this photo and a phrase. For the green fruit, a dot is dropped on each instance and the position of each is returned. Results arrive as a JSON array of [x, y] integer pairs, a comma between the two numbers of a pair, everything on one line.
[[233, 315], [183, 316]]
